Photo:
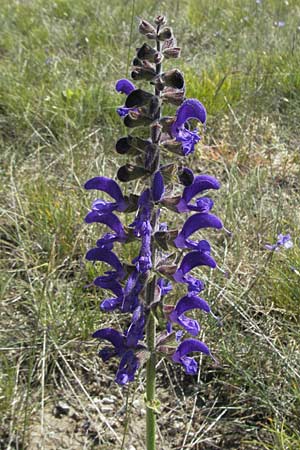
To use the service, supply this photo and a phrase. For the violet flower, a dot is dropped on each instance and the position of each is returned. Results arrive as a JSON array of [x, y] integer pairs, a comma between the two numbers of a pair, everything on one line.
[[126, 299], [282, 241], [186, 347], [111, 188], [195, 223], [190, 109], [124, 346], [185, 304], [200, 184], [101, 254], [124, 86]]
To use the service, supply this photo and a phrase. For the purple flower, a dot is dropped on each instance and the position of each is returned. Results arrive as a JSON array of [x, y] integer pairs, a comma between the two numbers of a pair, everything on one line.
[[186, 347], [127, 368], [113, 222], [164, 285], [124, 86], [190, 109], [101, 254], [191, 260], [158, 188], [195, 223], [126, 299], [282, 241], [111, 188], [136, 330], [186, 304], [200, 184], [143, 229], [124, 346]]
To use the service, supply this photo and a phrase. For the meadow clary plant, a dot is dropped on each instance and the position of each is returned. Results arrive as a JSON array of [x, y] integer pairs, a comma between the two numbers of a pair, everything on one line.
[[165, 255]]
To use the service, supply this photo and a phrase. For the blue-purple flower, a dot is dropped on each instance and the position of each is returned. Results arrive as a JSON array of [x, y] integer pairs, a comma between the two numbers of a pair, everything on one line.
[[203, 204], [112, 188], [282, 241], [124, 86], [193, 224], [185, 304], [186, 347], [190, 109], [124, 346]]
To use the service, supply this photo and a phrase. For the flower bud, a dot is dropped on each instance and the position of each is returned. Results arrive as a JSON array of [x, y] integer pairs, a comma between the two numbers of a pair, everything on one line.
[[167, 271], [137, 119], [152, 153], [123, 146], [154, 106], [142, 73], [173, 78], [160, 20], [186, 176], [173, 146], [171, 202], [165, 34], [130, 172], [156, 129], [149, 53], [173, 96], [147, 29], [172, 52], [137, 98]]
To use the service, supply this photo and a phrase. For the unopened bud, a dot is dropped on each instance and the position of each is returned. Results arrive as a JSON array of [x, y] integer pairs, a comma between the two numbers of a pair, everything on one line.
[[186, 176], [136, 119], [160, 20], [173, 146], [171, 202], [173, 96], [173, 78], [138, 98], [165, 34], [130, 172], [167, 271], [156, 132], [140, 73], [173, 52], [149, 53], [147, 29]]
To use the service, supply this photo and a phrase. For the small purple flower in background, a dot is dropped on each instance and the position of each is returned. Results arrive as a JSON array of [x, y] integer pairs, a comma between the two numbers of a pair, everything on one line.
[[282, 241], [279, 24]]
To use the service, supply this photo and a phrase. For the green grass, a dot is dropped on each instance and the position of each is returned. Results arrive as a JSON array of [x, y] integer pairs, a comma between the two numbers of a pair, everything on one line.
[[58, 63]]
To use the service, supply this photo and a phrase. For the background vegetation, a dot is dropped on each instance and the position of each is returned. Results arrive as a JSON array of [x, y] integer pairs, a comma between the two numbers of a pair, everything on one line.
[[59, 61]]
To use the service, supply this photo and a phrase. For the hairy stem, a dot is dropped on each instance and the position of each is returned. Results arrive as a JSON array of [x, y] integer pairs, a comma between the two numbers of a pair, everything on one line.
[[150, 333], [151, 363]]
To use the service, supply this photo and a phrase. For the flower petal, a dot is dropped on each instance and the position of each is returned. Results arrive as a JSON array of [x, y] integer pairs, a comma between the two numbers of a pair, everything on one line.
[[136, 330], [189, 302], [186, 347], [112, 221], [127, 368], [111, 335], [191, 260], [200, 184], [106, 185], [194, 223], [190, 109], [100, 254], [158, 187], [124, 86]]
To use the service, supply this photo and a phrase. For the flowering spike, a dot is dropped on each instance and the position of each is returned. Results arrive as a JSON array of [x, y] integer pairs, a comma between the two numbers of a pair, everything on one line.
[[165, 184]]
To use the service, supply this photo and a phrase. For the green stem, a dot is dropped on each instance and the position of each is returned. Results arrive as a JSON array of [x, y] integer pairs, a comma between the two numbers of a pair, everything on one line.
[[150, 384]]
